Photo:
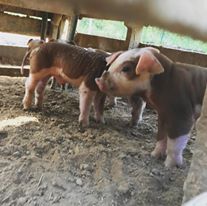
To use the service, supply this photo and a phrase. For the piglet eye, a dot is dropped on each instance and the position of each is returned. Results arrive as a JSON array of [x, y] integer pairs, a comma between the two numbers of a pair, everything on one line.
[[126, 69]]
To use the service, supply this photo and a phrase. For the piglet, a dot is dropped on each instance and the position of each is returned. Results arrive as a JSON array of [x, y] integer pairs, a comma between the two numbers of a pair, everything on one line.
[[175, 90], [68, 64]]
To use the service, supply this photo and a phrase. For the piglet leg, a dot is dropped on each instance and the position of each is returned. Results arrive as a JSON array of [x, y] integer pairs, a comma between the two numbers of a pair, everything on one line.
[[160, 149], [99, 101], [39, 92], [53, 83], [111, 101], [86, 98], [138, 106], [161, 145], [175, 149], [30, 86]]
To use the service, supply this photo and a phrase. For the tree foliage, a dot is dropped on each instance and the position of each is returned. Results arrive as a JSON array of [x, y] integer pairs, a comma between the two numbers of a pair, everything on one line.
[[150, 35], [106, 28]]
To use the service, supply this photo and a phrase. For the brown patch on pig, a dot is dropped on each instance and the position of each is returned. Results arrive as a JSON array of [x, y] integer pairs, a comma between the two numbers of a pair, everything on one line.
[[73, 60]]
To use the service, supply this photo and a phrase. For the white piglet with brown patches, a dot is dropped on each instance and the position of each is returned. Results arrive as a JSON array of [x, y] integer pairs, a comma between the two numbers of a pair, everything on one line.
[[175, 90]]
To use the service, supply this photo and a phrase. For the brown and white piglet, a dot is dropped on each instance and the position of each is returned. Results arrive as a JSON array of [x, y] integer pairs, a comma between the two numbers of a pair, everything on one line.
[[175, 90], [106, 84], [68, 64]]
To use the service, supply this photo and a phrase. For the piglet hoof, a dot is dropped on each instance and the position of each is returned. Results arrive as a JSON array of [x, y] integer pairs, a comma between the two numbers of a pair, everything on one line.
[[155, 154], [133, 124], [82, 126], [81, 129], [26, 108], [26, 104], [38, 107], [173, 162], [100, 121]]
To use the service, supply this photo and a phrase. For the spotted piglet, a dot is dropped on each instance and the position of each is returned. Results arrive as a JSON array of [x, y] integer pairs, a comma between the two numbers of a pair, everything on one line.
[[175, 90]]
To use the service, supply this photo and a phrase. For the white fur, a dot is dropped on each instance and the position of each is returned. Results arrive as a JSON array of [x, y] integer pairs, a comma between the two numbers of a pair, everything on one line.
[[126, 56], [141, 111], [175, 149]]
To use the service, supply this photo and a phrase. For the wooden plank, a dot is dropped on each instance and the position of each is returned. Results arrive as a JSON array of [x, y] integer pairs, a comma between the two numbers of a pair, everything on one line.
[[186, 17], [103, 43], [44, 26], [13, 71], [52, 6], [189, 57], [12, 55], [20, 25], [6, 8]]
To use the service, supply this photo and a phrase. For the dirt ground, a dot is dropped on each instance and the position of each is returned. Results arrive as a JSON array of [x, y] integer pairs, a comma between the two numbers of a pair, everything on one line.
[[45, 160]]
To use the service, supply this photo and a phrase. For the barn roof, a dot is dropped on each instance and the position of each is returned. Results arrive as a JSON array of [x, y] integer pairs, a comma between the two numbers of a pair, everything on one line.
[[186, 16]]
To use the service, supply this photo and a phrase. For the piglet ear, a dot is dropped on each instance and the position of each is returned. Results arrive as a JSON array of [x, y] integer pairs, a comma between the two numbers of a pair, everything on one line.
[[29, 41], [110, 59], [153, 49], [148, 63]]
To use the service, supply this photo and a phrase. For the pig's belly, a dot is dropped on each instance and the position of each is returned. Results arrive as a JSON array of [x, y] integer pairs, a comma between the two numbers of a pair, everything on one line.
[[63, 78]]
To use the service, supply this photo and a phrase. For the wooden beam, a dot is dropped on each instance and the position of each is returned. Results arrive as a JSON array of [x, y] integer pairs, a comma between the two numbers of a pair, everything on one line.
[[54, 28], [12, 55], [185, 17], [20, 25], [28, 12], [72, 29], [12, 71], [53, 6], [44, 26]]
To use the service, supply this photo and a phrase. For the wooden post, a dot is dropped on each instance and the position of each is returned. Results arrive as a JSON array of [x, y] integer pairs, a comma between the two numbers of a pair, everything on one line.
[[135, 36], [72, 28], [196, 181], [55, 26], [44, 26]]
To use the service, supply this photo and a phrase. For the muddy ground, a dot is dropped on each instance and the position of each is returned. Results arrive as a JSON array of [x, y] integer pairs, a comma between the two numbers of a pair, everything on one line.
[[45, 160]]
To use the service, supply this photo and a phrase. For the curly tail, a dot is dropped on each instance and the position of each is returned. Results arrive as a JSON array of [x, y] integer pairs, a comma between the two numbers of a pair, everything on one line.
[[23, 61]]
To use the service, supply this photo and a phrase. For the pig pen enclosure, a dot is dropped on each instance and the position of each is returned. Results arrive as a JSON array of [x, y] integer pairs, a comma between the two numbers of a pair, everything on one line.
[[45, 159]]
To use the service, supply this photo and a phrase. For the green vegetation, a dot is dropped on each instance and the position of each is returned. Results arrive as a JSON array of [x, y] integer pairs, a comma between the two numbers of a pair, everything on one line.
[[150, 35], [106, 28], [160, 37]]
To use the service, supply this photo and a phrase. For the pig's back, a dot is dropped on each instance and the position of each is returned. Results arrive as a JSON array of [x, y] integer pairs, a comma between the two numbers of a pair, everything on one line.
[[77, 61]]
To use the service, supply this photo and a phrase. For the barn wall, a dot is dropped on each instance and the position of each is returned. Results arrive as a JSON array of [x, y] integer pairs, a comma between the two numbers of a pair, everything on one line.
[[21, 21], [106, 44], [186, 17], [19, 25], [11, 55], [182, 56]]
